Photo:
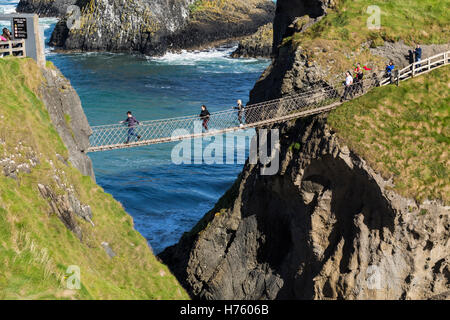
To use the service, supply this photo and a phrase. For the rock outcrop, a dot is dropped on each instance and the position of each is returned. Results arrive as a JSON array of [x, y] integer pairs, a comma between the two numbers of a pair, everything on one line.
[[289, 10], [153, 27], [66, 207], [258, 45], [297, 67], [45, 8], [326, 227], [67, 115]]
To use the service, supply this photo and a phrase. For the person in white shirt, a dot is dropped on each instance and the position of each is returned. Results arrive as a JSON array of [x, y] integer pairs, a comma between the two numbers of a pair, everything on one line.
[[348, 85]]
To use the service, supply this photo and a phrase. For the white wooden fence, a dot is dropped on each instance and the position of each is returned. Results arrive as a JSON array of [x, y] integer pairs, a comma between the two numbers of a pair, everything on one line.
[[15, 47]]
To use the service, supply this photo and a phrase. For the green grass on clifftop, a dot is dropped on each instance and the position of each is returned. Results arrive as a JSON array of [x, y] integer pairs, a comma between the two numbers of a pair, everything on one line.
[[35, 247], [230, 11], [403, 133], [425, 21], [342, 38]]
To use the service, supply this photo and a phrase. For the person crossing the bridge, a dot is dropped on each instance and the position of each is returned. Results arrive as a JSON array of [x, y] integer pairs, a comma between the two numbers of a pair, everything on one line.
[[240, 109], [132, 123], [348, 86], [359, 75], [205, 115]]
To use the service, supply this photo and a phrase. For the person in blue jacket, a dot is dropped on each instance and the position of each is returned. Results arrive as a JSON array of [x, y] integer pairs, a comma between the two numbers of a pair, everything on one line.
[[389, 68], [132, 123]]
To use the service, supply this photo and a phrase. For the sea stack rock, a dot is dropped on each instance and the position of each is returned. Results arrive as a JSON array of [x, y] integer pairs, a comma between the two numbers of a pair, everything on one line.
[[258, 45], [154, 27]]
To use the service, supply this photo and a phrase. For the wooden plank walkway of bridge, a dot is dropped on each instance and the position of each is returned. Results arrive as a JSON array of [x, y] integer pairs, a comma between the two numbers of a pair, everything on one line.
[[320, 100]]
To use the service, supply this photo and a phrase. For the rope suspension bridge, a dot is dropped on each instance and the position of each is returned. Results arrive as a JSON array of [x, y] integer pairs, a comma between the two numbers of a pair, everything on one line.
[[315, 101]]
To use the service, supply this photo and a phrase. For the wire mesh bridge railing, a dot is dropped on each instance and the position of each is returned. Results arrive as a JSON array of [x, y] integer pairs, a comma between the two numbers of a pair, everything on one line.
[[315, 101]]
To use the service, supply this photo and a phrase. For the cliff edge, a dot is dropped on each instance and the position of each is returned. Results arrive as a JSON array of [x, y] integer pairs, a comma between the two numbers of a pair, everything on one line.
[[61, 235], [359, 208], [329, 225]]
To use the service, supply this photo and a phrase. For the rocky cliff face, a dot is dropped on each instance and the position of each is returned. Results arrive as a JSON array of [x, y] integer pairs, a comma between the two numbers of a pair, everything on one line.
[[288, 10], [292, 69], [45, 8], [67, 115], [51, 215], [153, 27], [258, 45], [326, 227]]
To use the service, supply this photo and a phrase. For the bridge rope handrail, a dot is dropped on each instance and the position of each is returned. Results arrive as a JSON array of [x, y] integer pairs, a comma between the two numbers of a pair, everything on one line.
[[320, 99], [215, 113]]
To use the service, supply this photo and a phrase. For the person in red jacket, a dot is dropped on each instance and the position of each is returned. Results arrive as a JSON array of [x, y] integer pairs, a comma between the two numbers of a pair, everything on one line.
[[359, 75]]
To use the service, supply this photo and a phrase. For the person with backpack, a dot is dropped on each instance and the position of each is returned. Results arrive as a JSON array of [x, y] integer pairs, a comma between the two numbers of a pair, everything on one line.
[[132, 123], [359, 75], [205, 115]]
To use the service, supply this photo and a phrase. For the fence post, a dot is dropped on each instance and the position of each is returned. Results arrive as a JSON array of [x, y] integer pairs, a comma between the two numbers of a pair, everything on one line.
[[413, 70], [24, 50], [429, 64], [397, 74]]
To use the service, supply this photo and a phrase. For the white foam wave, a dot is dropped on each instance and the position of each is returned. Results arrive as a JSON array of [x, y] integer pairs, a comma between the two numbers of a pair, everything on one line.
[[190, 58], [7, 9]]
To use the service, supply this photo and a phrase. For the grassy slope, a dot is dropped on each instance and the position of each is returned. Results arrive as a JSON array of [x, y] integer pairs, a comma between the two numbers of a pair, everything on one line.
[[404, 133], [222, 10], [412, 21], [35, 247], [342, 33]]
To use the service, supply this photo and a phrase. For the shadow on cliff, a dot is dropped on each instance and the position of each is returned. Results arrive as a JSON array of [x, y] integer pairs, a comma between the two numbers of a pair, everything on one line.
[[301, 228]]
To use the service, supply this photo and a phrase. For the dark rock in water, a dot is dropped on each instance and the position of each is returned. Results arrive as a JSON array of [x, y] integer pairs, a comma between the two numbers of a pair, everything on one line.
[[258, 45], [153, 27]]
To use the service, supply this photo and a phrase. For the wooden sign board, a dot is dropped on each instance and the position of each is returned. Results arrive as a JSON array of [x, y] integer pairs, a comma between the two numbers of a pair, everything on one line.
[[20, 28]]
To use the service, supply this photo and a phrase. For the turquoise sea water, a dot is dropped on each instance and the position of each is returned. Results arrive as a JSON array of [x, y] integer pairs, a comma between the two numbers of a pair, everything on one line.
[[164, 199]]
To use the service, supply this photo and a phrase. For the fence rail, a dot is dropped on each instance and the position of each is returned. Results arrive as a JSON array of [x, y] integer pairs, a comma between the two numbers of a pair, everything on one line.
[[314, 101], [15, 47], [419, 67]]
